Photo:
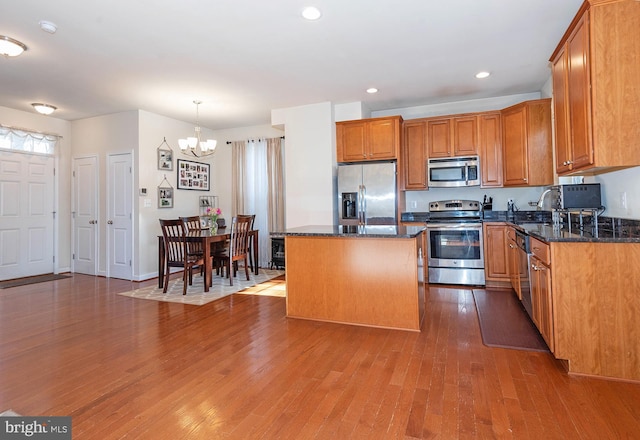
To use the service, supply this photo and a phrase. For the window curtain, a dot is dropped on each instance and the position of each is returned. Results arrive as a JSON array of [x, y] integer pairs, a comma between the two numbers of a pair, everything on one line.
[[257, 188], [27, 141]]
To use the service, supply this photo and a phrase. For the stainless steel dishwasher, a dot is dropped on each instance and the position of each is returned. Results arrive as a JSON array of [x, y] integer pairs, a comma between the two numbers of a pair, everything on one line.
[[524, 254]]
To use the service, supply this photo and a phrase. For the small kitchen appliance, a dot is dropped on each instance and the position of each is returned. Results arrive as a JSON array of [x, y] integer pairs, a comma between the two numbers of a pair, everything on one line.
[[577, 196]]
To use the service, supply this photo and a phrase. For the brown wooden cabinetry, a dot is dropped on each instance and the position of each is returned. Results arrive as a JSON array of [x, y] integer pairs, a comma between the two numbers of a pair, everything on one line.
[[541, 296], [490, 149], [526, 144], [496, 270], [452, 136], [368, 139], [596, 84], [414, 155]]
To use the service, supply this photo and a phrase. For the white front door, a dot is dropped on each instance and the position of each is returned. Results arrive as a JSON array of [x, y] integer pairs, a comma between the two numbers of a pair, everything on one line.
[[85, 215], [26, 214], [119, 217]]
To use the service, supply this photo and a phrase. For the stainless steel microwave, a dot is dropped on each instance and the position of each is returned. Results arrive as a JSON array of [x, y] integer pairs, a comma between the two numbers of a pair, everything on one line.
[[453, 172]]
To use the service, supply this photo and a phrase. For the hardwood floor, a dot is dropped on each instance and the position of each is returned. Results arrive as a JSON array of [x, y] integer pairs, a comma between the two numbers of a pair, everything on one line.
[[237, 368]]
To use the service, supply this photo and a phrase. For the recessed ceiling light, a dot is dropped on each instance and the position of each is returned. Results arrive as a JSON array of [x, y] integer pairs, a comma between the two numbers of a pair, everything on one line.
[[10, 47], [481, 75], [372, 90], [44, 109], [311, 13]]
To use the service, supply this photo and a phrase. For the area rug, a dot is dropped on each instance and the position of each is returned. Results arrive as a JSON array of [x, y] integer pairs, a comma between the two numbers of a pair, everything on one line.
[[504, 322], [196, 294], [32, 280]]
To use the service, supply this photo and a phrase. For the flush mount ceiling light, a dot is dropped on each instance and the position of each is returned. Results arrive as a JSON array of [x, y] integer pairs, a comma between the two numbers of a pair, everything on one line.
[[481, 75], [10, 47], [372, 90], [311, 13], [195, 146], [44, 109]]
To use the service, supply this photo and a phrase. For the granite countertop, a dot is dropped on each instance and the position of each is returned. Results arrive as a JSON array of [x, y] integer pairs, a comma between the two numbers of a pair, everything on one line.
[[538, 224], [372, 231]]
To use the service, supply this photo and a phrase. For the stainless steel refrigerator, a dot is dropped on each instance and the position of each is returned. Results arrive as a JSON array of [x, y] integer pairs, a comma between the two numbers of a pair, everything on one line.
[[367, 194]]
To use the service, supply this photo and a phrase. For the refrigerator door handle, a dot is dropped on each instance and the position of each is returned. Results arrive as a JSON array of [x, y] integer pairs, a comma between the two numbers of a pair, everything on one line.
[[360, 206], [364, 204]]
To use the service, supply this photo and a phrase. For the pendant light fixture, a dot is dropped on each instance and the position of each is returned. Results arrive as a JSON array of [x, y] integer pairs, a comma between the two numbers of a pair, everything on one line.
[[195, 146]]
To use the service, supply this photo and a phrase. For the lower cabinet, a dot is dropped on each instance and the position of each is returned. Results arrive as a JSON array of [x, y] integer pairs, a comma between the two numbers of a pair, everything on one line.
[[541, 298], [496, 269]]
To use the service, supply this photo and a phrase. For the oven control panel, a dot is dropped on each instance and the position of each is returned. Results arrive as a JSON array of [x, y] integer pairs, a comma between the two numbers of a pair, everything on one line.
[[454, 205]]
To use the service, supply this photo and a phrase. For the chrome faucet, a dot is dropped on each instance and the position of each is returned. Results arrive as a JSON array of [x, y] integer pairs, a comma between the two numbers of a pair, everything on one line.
[[541, 199]]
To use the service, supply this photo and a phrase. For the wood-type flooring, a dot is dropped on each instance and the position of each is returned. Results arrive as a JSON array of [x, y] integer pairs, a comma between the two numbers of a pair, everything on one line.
[[237, 368]]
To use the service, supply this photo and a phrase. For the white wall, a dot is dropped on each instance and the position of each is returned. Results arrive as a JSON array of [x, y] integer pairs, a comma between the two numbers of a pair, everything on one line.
[[615, 186], [49, 124], [310, 166]]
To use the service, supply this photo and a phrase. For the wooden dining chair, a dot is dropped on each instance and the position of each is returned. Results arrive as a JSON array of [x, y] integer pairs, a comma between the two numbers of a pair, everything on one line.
[[193, 224], [238, 248], [177, 254], [250, 244]]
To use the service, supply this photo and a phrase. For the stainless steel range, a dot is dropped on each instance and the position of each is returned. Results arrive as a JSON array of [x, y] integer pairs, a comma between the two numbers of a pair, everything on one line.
[[455, 245]]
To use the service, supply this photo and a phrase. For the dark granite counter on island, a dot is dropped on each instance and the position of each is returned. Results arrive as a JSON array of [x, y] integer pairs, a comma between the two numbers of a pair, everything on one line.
[[371, 275], [374, 231]]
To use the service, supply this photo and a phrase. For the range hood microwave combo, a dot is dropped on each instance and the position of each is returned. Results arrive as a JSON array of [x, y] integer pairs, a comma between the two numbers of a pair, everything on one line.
[[454, 172]]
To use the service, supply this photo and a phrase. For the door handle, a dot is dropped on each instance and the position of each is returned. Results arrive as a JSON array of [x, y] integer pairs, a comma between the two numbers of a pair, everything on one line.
[[110, 222]]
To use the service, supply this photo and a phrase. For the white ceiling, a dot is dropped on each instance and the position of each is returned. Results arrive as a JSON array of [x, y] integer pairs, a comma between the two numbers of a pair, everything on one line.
[[243, 58]]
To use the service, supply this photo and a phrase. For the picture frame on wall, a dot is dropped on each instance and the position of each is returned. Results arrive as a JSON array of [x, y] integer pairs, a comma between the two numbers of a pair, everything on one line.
[[165, 194], [165, 156], [165, 197], [193, 175]]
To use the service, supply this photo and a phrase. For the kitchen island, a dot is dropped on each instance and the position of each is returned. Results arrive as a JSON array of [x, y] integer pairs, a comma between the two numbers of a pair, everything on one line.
[[362, 275]]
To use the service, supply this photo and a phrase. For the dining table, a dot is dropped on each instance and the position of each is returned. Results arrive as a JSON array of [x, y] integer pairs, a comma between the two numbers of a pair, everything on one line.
[[208, 239]]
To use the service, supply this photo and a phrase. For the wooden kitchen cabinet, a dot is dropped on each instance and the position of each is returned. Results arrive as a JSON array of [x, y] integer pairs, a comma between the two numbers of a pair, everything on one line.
[[541, 293], [526, 143], [496, 269], [596, 84], [490, 149], [414, 155], [452, 136], [368, 139]]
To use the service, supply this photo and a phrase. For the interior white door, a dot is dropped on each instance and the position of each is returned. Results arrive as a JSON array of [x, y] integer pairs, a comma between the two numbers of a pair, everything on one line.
[[26, 214], [85, 215], [119, 217]]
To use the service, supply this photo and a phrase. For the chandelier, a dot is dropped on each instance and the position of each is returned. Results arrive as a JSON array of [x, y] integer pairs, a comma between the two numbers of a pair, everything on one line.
[[195, 146]]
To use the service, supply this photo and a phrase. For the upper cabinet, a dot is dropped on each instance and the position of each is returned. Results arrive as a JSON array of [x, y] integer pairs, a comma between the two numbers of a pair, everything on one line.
[[368, 139], [526, 143], [414, 155], [458, 135], [596, 89], [452, 136], [490, 149]]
